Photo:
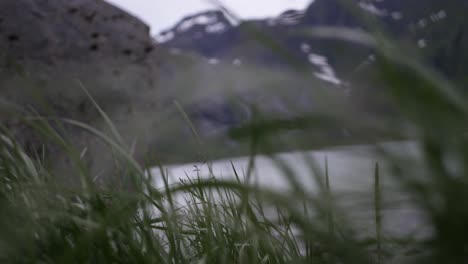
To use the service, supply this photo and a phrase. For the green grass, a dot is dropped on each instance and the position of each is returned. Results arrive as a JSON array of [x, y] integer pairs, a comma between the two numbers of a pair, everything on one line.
[[220, 222]]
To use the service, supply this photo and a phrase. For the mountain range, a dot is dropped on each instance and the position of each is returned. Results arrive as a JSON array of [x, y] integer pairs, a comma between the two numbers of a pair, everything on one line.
[[244, 52], [436, 28]]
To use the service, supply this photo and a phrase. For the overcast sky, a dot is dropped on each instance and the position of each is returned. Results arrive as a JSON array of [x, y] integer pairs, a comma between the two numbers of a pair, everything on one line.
[[162, 14]]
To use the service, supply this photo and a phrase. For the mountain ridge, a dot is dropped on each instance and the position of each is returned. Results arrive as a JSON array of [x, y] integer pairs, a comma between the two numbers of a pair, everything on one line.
[[417, 25]]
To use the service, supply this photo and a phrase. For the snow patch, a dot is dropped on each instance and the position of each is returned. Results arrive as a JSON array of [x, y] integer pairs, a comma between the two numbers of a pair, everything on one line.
[[164, 37], [371, 8], [318, 60], [326, 72], [198, 20], [216, 28], [289, 18]]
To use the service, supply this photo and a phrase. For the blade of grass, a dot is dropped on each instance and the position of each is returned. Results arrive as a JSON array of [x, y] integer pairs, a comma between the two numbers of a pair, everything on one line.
[[378, 213], [108, 121]]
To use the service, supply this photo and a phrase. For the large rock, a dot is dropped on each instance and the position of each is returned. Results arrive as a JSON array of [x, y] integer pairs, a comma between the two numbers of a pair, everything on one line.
[[78, 29], [49, 47]]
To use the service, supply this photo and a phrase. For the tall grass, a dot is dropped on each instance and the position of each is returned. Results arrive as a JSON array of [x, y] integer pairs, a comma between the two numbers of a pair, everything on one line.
[[199, 220]]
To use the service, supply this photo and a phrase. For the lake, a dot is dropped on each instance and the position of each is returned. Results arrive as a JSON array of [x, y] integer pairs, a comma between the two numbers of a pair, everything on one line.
[[351, 173]]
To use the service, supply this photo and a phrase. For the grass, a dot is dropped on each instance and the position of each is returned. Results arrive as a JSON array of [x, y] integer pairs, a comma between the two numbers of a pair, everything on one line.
[[220, 222], [199, 220], [211, 220]]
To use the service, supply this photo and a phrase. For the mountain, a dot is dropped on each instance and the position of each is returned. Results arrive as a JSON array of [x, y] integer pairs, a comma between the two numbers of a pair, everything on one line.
[[272, 64], [434, 30], [433, 26]]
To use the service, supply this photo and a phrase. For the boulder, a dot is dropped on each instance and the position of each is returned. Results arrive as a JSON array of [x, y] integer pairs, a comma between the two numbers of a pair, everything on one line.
[[51, 50]]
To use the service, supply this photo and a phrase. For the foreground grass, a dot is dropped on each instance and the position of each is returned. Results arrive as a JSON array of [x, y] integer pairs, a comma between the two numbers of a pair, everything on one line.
[[219, 222], [208, 220]]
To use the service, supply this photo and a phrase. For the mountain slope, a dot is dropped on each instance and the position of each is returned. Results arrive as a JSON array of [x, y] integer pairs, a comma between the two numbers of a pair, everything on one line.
[[271, 64]]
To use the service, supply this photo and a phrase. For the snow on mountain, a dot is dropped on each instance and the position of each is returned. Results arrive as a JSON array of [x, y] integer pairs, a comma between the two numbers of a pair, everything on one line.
[[326, 72], [198, 25], [291, 17]]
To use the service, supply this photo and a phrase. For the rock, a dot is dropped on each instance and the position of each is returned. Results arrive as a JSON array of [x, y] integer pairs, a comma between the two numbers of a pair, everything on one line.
[[77, 30], [49, 47]]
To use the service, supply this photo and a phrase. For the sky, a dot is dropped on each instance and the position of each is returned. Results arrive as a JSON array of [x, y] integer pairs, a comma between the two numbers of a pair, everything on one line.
[[163, 14]]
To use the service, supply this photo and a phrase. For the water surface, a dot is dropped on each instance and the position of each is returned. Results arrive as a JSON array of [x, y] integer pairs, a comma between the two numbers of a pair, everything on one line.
[[351, 172]]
